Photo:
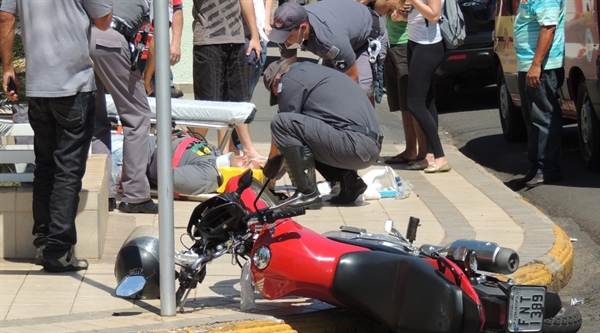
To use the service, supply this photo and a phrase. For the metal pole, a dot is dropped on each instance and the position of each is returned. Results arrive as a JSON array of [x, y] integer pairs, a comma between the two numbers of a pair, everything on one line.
[[165, 172]]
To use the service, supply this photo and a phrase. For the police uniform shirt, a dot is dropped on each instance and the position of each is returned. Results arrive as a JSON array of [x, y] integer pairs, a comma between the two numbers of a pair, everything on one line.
[[326, 94], [135, 13], [339, 30]]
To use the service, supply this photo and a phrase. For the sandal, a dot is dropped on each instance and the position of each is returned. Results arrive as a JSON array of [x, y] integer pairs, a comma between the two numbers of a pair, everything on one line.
[[415, 165], [398, 159]]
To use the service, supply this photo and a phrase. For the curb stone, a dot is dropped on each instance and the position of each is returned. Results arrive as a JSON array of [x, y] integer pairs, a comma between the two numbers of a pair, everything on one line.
[[553, 269]]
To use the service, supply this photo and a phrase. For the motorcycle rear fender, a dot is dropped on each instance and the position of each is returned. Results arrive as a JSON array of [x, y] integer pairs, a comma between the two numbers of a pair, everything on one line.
[[403, 292]]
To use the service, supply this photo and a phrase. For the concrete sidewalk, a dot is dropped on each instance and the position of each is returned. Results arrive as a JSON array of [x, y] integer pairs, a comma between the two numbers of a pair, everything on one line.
[[467, 202]]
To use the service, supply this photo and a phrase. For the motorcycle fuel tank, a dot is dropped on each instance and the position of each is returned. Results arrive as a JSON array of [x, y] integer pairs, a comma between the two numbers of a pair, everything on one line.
[[301, 263]]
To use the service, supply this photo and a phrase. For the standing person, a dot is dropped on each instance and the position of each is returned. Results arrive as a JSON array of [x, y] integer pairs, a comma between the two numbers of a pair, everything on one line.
[[148, 66], [324, 123], [220, 69], [425, 52], [539, 45], [395, 71], [262, 11], [112, 64], [61, 112], [340, 32]]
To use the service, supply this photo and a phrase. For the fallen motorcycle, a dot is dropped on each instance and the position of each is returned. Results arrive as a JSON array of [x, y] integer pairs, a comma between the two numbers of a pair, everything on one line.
[[460, 287]]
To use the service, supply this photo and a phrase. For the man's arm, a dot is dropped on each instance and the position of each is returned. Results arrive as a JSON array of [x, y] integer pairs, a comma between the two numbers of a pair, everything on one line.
[[544, 44], [352, 72], [103, 23], [149, 69], [176, 31], [268, 15], [385, 6], [7, 39], [247, 7]]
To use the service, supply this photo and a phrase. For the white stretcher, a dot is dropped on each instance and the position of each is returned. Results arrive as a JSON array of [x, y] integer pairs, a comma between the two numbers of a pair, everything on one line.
[[206, 114]]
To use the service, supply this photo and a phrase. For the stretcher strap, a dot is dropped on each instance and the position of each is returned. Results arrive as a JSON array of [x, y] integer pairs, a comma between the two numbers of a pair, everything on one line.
[[181, 149]]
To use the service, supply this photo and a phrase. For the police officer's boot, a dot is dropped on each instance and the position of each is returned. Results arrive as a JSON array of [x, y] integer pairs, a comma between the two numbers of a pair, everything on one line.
[[300, 166], [351, 186]]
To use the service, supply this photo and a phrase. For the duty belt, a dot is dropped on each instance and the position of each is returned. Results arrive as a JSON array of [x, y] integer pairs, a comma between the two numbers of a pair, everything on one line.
[[123, 28], [361, 129]]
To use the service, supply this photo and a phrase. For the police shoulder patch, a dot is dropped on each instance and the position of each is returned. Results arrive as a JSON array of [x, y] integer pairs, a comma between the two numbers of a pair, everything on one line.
[[340, 64]]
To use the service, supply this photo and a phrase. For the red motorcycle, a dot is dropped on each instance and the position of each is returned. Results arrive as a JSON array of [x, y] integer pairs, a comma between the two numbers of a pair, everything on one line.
[[441, 289]]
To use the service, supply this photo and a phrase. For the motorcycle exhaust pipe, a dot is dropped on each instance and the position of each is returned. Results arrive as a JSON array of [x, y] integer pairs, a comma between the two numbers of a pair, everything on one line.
[[490, 256]]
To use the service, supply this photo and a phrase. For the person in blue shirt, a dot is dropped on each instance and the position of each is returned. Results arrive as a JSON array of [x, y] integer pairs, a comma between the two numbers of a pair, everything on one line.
[[539, 44]]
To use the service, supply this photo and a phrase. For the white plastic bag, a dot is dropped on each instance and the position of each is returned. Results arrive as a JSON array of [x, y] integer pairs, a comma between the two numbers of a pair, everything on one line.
[[385, 183]]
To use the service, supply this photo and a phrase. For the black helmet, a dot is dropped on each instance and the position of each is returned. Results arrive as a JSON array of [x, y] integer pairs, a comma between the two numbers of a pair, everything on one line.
[[215, 217], [139, 256]]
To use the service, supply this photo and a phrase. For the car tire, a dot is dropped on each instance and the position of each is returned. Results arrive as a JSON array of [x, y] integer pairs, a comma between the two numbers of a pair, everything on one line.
[[511, 118], [588, 129], [443, 95]]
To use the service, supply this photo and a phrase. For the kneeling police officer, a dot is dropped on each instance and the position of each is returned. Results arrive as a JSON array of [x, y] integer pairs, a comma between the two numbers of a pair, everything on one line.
[[325, 122]]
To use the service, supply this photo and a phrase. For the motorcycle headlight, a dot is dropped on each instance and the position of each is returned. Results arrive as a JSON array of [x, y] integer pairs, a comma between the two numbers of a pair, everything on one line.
[[262, 257]]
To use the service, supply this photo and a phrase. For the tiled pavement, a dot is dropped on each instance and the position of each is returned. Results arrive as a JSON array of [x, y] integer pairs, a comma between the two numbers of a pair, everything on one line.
[[467, 202]]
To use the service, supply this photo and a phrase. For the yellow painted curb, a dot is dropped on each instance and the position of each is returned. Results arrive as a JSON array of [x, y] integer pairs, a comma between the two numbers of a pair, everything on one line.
[[554, 269]]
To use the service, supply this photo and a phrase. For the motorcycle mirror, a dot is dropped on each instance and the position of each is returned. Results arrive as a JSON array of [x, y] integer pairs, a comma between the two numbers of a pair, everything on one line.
[[244, 182], [273, 166], [388, 226], [130, 285]]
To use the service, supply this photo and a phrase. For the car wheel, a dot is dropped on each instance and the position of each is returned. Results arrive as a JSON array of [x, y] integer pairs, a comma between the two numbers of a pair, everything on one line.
[[443, 95], [511, 119], [588, 127]]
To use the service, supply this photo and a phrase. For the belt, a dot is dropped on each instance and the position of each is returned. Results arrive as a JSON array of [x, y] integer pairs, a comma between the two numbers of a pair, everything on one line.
[[123, 28], [361, 129]]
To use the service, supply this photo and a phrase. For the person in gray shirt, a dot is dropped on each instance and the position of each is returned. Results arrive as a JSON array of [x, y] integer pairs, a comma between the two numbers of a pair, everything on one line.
[[340, 32], [60, 88], [111, 53], [195, 163], [324, 122]]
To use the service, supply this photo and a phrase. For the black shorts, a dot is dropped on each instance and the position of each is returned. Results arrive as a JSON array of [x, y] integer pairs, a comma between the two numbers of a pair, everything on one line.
[[221, 73], [395, 72]]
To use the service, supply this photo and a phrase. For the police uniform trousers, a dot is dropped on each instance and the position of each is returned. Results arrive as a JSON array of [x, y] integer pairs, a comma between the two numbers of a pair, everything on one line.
[[334, 149], [111, 55]]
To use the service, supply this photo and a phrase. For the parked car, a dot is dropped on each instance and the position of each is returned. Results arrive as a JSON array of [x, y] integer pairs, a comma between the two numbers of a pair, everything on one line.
[[470, 65], [580, 92]]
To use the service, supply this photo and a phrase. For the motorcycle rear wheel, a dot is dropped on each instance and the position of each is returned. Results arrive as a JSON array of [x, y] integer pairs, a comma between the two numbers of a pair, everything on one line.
[[568, 320]]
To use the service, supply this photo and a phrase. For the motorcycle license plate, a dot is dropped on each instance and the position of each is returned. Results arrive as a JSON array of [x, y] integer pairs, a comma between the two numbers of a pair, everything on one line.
[[526, 308]]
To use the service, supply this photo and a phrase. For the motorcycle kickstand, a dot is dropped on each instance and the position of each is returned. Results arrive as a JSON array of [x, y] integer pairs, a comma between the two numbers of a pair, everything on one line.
[[184, 299]]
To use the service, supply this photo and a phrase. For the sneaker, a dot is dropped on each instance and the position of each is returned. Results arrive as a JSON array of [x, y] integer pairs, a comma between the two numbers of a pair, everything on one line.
[[39, 256], [66, 263]]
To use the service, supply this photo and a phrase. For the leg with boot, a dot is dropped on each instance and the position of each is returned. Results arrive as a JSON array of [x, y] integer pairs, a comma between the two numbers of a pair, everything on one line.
[[300, 166], [351, 186]]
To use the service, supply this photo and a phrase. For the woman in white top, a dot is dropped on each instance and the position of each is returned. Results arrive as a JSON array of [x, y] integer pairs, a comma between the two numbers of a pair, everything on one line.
[[425, 52]]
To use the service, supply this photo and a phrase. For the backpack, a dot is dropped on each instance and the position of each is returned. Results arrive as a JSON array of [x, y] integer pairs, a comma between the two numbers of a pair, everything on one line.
[[452, 25]]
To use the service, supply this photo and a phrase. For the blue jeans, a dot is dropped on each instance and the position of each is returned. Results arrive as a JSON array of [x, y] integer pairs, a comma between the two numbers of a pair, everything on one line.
[[543, 118], [63, 129]]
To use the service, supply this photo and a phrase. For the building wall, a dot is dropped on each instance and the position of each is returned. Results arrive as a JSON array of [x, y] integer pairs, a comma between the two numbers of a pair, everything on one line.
[[182, 71]]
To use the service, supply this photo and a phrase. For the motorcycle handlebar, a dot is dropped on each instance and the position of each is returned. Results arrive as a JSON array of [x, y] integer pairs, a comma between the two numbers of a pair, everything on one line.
[[288, 212]]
